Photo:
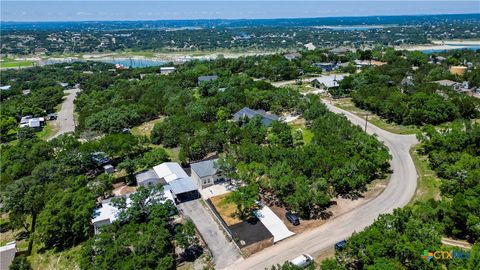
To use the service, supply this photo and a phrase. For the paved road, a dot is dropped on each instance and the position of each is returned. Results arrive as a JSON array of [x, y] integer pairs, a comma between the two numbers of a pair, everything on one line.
[[400, 190], [224, 252], [65, 120]]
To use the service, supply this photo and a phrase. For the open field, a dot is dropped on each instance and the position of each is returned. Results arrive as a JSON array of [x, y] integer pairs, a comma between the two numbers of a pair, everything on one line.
[[347, 104], [12, 63]]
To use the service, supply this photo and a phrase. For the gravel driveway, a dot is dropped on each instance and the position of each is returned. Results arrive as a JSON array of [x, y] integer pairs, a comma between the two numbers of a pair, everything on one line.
[[65, 120], [224, 252]]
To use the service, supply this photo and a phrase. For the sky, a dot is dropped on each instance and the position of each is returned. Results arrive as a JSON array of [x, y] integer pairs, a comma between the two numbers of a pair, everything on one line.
[[71, 10]]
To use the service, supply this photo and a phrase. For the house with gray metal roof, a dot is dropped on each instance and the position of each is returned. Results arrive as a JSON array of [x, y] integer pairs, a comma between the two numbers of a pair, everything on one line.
[[205, 173], [206, 78], [148, 177], [182, 186], [267, 118]]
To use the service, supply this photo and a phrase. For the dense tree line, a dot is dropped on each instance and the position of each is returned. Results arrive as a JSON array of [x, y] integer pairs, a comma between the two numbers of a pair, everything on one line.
[[398, 240], [409, 96]]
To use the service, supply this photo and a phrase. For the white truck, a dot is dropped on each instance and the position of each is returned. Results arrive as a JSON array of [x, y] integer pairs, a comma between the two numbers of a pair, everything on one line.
[[303, 260]]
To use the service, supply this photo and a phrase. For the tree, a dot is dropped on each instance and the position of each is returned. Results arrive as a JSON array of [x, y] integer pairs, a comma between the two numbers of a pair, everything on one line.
[[245, 199], [65, 221]]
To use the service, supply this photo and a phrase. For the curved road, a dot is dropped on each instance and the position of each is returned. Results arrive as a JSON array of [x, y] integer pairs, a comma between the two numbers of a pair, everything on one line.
[[400, 190]]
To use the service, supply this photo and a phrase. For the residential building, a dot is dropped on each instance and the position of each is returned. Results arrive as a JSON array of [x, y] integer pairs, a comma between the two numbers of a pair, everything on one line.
[[167, 70], [148, 177], [292, 56], [7, 254], [267, 118], [182, 186], [107, 213], [33, 122], [206, 173], [5, 87], [206, 78], [327, 82], [326, 66]]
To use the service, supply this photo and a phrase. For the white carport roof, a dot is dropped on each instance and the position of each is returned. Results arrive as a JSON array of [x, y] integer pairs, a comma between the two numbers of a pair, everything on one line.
[[273, 223], [170, 171]]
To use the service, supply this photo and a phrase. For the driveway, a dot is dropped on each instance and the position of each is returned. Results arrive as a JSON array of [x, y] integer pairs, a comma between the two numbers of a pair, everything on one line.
[[398, 193], [65, 121], [224, 252], [273, 223]]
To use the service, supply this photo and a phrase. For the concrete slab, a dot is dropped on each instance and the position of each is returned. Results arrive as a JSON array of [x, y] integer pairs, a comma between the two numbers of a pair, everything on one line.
[[273, 223]]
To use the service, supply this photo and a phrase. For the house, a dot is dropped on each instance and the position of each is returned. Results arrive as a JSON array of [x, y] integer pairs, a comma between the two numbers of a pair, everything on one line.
[[367, 63], [107, 213], [7, 254], [33, 122], [148, 177], [63, 84], [5, 87], [182, 186], [267, 118], [339, 51], [167, 70], [208, 78], [327, 82], [26, 92], [292, 56], [459, 87], [407, 82], [326, 66], [205, 173], [108, 169]]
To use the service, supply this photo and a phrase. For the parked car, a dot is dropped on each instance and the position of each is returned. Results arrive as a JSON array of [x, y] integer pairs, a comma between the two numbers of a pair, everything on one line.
[[303, 260], [51, 116], [292, 218], [340, 245]]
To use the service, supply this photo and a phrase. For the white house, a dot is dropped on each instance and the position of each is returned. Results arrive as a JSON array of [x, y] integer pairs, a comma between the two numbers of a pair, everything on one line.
[[205, 173], [182, 186], [167, 70], [5, 87], [108, 213], [149, 177], [33, 122]]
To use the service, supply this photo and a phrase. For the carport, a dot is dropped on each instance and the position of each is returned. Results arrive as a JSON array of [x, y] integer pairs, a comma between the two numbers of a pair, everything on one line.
[[273, 223]]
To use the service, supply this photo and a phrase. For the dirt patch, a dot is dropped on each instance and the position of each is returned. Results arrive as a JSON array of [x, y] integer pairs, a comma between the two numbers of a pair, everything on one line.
[[122, 189], [338, 208], [226, 210], [146, 128]]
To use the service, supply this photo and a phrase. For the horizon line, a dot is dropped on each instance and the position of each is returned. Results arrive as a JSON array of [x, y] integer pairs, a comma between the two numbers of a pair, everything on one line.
[[243, 19]]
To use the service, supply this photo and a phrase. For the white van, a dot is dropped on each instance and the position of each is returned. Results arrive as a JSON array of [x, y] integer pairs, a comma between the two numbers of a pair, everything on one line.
[[303, 260]]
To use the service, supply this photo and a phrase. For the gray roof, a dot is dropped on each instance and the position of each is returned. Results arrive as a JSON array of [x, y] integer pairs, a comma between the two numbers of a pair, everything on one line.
[[205, 168], [7, 254], [182, 185], [207, 78], [267, 119], [146, 175]]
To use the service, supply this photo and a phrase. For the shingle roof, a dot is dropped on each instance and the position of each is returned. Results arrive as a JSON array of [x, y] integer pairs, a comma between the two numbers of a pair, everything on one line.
[[205, 168], [267, 119]]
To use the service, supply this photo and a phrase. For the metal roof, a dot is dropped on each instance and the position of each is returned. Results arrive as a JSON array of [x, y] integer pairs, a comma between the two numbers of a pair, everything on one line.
[[170, 171], [205, 168], [182, 185], [7, 254], [146, 175], [267, 119]]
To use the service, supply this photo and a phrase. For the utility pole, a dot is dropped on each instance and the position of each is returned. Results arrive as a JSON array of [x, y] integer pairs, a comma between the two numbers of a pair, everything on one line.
[[366, 122]]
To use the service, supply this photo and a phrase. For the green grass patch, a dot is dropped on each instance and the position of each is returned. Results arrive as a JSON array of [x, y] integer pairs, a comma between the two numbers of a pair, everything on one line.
[[173, 153], [47, 132], [12, 63], [67, 259], [347, 104], [146, 128], [428, 186]]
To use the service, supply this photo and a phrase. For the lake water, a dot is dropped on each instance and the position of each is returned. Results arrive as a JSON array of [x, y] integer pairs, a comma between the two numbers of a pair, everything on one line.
[[353, 27], [453, 47], [134, 63], [126, 62]]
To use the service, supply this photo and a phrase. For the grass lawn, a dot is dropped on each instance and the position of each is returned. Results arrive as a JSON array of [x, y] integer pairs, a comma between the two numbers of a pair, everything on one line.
[[299, 124], [173, 153], [12, 63], [67, 259], [226, 210], [347, 104], [47, 132], [146, 128], [428, 182]]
